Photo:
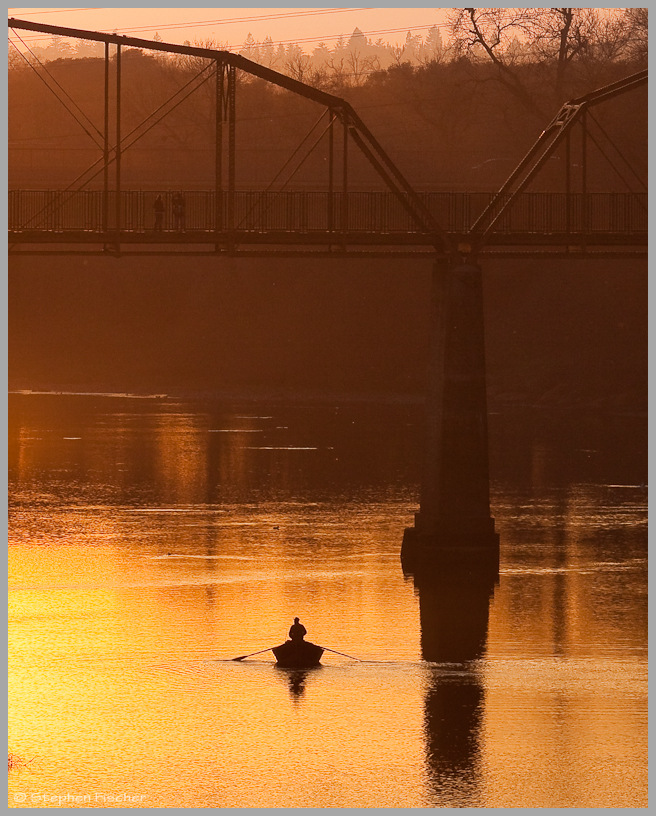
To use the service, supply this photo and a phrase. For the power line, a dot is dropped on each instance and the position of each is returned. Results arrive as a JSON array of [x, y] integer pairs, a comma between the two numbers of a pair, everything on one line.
[[326, 37], [619, 152], [254, 19], [612, 163], [229, 20], [54, 92], [251, 19], [318, 38], [282, 169], [63, 90], [50, 11], [125, 143]]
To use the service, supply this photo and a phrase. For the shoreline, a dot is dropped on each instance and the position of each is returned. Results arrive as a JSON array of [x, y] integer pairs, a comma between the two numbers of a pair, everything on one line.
[[621, 405]]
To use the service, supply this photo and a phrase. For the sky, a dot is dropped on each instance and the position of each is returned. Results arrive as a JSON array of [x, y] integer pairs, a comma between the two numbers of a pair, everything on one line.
[[307, 26]]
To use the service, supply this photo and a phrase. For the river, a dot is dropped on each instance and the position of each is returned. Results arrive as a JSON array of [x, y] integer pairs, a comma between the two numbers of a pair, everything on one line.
[[153, 540]]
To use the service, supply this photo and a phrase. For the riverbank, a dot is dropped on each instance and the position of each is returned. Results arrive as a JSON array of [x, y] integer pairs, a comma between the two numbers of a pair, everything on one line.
[[557, 401]]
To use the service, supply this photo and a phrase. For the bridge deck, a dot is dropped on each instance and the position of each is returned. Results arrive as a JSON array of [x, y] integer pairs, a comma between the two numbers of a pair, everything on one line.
[[317, 220], [319, 238]]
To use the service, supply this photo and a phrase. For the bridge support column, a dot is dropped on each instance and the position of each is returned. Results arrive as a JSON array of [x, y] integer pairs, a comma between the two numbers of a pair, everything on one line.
[[453, 527]]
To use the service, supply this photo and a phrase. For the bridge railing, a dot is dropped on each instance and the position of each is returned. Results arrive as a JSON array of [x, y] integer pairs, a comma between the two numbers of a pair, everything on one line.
[[308, 211]]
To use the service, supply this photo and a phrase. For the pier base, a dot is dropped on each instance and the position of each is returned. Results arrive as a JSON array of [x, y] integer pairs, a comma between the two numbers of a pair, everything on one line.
[[454, 527], [433, 554]]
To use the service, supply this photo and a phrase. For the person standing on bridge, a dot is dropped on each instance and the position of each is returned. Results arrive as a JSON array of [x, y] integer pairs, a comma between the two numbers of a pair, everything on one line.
[[179, 211], [158, 209]]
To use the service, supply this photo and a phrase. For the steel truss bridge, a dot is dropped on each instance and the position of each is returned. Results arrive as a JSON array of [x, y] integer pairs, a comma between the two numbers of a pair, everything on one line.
[[97, 213], [598, 222]]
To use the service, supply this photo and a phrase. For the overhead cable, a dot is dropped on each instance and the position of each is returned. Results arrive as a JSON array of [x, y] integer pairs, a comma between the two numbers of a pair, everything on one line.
[[319, 38], [52, 90], [230, 20], [284, 166], [124, 144], [640, 181], [51, 11]]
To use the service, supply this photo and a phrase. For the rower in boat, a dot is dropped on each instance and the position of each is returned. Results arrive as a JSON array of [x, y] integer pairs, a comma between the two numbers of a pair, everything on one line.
[[297, 652], [297, 631]]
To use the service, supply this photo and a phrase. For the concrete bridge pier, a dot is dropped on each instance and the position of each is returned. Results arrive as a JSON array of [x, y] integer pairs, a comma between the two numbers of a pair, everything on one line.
[[453, 529]]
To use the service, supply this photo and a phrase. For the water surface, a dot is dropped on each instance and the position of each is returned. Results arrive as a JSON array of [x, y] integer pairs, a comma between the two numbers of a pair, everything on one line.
[[152, 540]]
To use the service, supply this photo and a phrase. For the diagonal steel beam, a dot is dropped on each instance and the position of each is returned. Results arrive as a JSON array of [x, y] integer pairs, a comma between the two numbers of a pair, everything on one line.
[[543, 148], [393, 178]]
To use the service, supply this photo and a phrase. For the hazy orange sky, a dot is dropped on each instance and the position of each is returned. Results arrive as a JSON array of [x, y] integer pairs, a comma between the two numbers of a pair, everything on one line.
[[307, 26]]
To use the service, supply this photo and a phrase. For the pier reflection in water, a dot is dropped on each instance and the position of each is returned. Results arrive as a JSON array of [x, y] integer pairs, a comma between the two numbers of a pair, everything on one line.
[[454, 606], [151, 542]]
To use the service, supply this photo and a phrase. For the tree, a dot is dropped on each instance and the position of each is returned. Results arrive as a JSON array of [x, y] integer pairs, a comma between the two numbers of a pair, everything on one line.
[[361, 66], [279, 57], [321, 54], [609, 39], [15, 61], [636, 23], [357, 40], [351, 68], [433, 50], [267, 52], [296, 63], [251, 49], [551, 38], [59, 48], [399, 57], [88, 48], [560, 34], [486, 34], [412, 46]]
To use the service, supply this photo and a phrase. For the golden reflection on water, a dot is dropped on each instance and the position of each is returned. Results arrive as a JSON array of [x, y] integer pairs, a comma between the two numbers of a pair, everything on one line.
[[181, 458], [151, 550]]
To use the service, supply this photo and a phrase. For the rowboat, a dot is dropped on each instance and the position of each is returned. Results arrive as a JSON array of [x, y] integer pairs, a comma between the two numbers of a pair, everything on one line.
[[297, 654]]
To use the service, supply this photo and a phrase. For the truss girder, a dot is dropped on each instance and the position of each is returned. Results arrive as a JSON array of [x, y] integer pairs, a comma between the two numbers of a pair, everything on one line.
[[480, 232], [560, 126], [338, 107]]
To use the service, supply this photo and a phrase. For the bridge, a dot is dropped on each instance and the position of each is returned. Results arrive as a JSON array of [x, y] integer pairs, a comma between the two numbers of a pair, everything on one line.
[[537, 223], [97, 213]]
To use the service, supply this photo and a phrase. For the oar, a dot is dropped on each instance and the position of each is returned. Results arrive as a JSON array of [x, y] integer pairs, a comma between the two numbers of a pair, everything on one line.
[[243, 657], [326, 649]]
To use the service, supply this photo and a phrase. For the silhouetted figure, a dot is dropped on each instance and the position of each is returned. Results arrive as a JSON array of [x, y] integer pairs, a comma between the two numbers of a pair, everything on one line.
[[158, 209], [179, 211], [297, 631], [297, 653]]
